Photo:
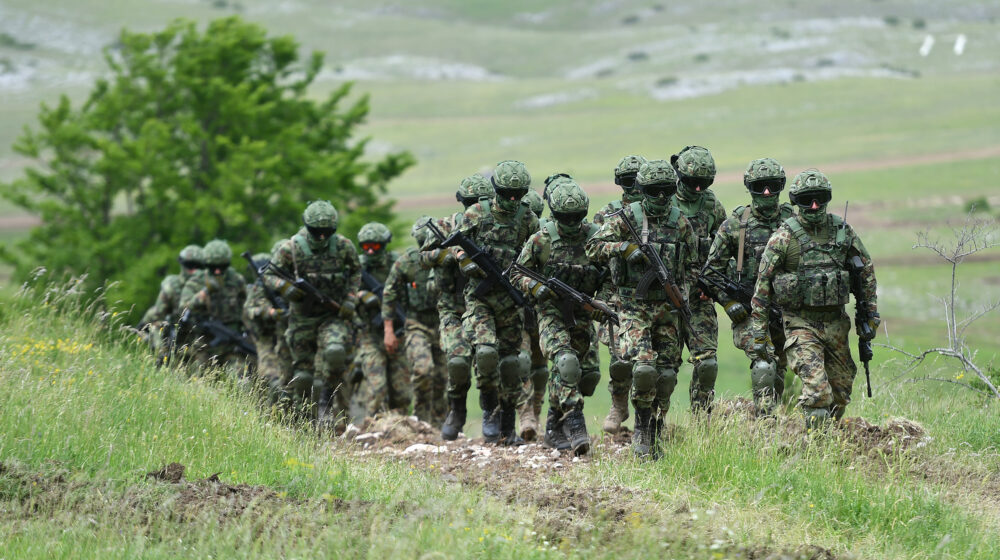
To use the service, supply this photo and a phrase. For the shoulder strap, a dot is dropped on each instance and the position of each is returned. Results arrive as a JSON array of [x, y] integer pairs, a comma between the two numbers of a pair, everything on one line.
[[841, 226], [674, 216], [553, 230], [592, 229], [616, 204], [487, 207], [743, 238], [303, 244]]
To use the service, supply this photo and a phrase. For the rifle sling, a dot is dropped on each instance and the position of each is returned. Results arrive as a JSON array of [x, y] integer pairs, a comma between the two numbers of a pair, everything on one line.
[[743, 237]]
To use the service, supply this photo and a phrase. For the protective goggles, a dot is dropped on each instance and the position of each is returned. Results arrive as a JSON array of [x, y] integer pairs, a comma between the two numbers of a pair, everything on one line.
[[217, 269], [772, 186], [626, 181], [321, 232], [661, 189], [191, 265], [805, 200], [569, 218], [371, 246], [697, 183], [511, 194]]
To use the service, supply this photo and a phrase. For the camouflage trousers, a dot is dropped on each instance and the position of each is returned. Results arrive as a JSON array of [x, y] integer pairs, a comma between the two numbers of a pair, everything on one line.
[[819, 352], [497, 322], [274, 359], [650, 337], [743, 339], [386, 381], [533, 386], [428, 373], [454, 345], [580, 340], [312, 343], [702, 341], [623, 384]]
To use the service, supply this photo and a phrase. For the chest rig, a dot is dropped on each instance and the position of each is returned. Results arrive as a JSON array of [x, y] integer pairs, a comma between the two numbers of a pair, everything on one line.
[[701, 215], [325, 270], [567, 260], [816, 267], [502, 239], [753, 235], [662, 233]]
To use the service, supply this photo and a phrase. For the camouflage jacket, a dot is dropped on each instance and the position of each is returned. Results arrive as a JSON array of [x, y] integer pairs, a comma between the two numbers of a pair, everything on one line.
[[168, 301], [553, 253], [448, 278], [607, 290], [804, 270], [335, 271], [257, 316], [705, 215], [411, 287], [756, 229], [670, 234], [615, 205], [501, 234], [378, 266], [224, 303]]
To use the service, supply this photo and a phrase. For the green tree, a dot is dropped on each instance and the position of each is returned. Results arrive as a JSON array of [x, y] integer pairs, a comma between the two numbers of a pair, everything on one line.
[[192, 136]]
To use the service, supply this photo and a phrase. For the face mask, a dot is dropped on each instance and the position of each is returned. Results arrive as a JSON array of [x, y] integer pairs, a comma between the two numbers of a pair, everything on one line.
[[765, 204], [813, 216], [316, 244]]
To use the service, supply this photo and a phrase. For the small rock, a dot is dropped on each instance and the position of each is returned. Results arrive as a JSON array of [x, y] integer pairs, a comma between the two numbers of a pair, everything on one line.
[[424, 448], [371, 436], [350, 432]]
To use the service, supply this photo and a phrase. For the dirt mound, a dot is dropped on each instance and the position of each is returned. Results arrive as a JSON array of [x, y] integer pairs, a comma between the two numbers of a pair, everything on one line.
[[897, 435], [740, 407], [173, 473], [391, 430]]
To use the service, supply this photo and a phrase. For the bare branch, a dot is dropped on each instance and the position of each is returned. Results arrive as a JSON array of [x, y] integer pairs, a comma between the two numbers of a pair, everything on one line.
[[941, 380], [977, 315]]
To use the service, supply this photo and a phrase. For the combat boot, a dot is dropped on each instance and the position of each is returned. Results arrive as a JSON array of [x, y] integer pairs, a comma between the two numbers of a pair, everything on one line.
[[617, 414], [554, 436], [455, 421], [642, 437], [575, 429], [489, 401], [529, 420], [508, 417]]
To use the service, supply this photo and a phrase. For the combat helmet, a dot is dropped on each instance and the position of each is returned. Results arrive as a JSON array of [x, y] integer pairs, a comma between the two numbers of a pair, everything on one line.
[[419, 231], [764, 176], [534, 201], [811, 191], [511, 182], [191, 257], [373, 237], [217, 256], [695, 168], [656, 178], [472, 189], [626, 171], [320, 219], [568, 203]]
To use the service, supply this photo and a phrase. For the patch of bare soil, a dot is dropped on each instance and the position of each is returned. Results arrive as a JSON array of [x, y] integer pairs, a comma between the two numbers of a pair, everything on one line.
[[896, 436]]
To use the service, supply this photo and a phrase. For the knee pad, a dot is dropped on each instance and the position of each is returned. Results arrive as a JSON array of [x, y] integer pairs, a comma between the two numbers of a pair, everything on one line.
[[707, 371], [644, 377], [538, 378], [568, 368], [301, 382], [510, 371], [458, 371], [620, 371], [666, 380], [335, 356], [524, 361], [763, 375], [487, 359], [589, 381]]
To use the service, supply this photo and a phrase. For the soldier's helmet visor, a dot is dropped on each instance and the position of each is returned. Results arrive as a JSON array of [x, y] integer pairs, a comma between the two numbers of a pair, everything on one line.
[[660, 189], [191, 265], [697, 183], [509, 194], [371, 246], [772, 186], [806, 199], [218, 269], [626, 181], [321, 232], [570, 218]]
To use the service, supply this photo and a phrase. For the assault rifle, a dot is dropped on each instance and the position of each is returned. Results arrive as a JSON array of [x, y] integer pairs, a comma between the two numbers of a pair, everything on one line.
[[374, 286], [310, 291], [258, 272], [485, 262], [713, 278], [217, 333], [568, 296], [862, 315], [658, 272]]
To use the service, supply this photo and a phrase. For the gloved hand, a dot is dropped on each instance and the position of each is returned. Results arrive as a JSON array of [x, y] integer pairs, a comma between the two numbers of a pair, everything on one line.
[[347, 309], [873, 324], [761, 346], [632, 254], [737, 313], [289, 291], [470, 269], [213, 283], [541, 292], [367, 298], [277, 313]]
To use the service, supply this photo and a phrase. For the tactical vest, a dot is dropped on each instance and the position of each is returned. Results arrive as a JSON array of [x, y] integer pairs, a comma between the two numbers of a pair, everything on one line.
[[502, 240], [753, 236], [665, 238], [173, 285], [817, 276], [420, 293], [325, 270], [701, 216], [226, 303], [567, 260]]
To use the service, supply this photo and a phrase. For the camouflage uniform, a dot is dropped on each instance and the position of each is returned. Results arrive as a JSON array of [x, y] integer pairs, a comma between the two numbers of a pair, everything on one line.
[[165, 311], [804, 270], [493, 321], [319, 338], [650, 336], [533, 388], [266, 325], [620, 371], [557, 250], [736, 252], [412, 287], [215, 292], [386, 382], [696, 172]]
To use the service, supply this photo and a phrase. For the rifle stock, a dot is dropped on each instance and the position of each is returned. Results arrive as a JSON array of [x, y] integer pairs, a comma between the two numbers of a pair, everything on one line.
[[258, 272]]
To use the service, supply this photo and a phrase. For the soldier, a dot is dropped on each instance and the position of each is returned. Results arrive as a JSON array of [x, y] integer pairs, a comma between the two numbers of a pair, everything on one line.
[[159, 318], [736, 252], [651, 336], [451, 307], [533, 389], [216, 292], [557, 250], [493, 320], [267, 321], [804, 269], [386, 382], [412, 287], [620, 371], [319, 333], [696, 173]]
